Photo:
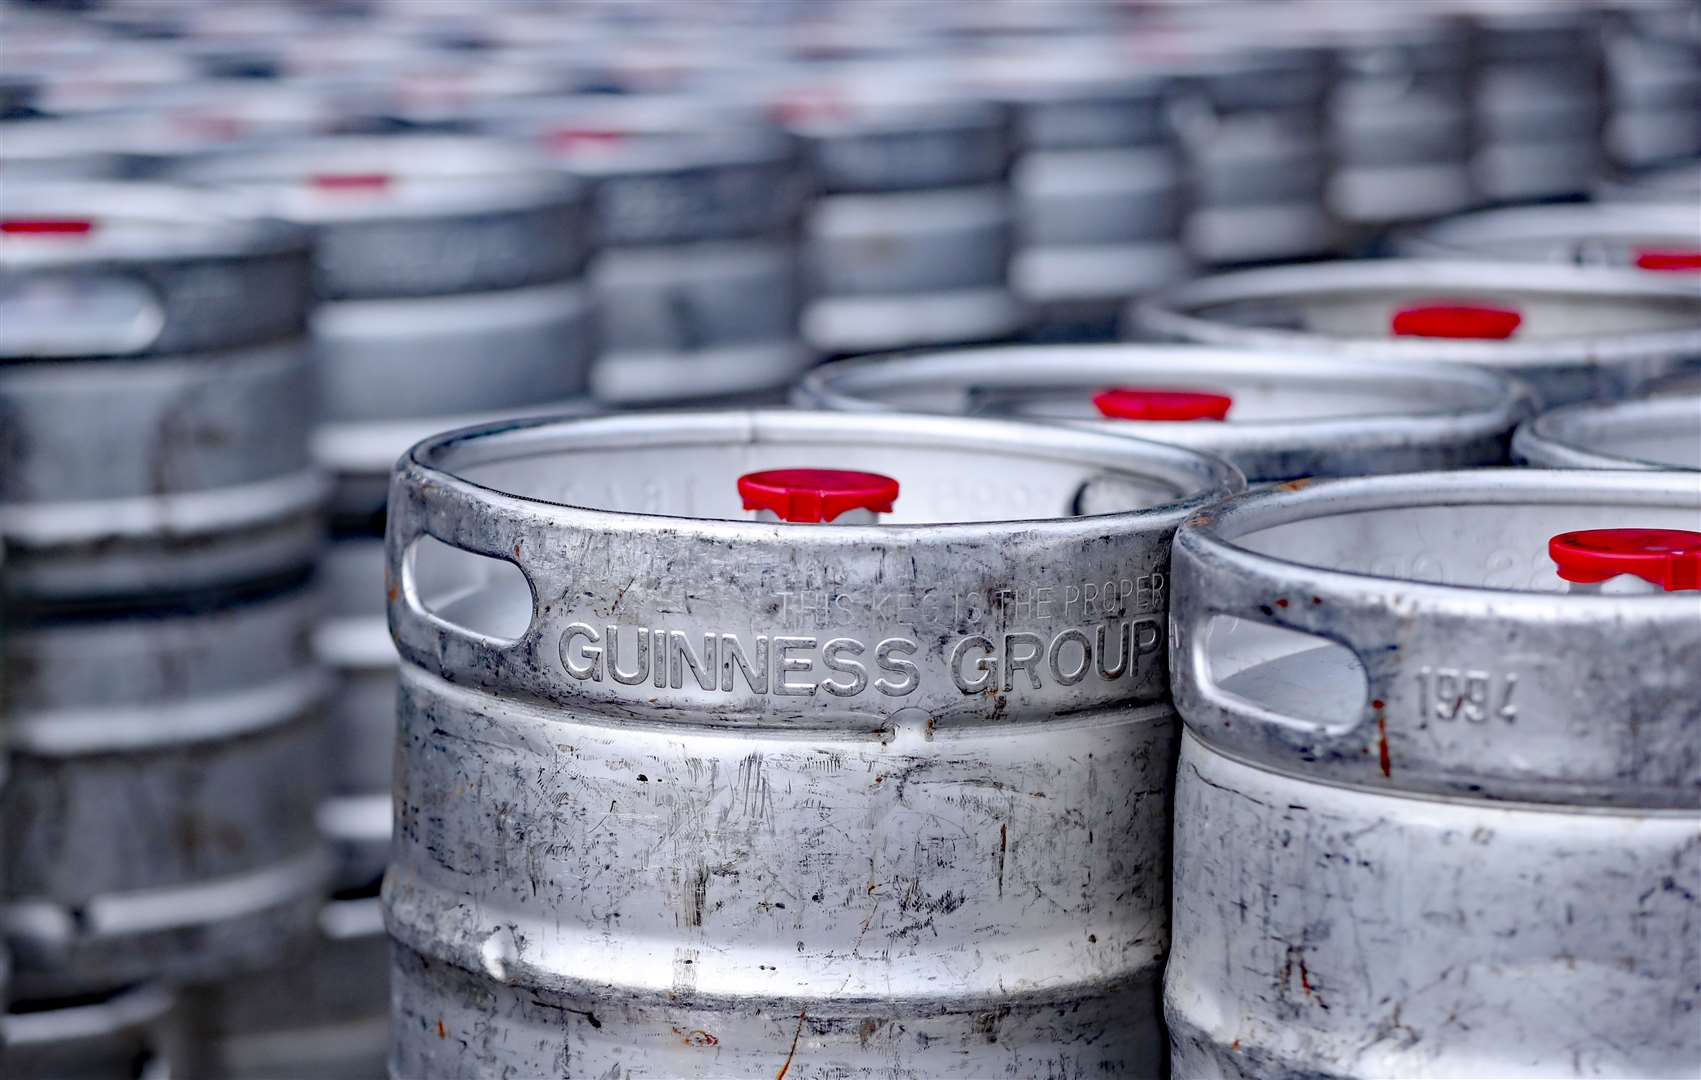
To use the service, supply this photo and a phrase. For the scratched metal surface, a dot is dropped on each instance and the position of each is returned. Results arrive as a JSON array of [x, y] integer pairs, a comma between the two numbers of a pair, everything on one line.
[[1588, 333], [894, 805], [1292, 414], [148, 834], [1473, 851]]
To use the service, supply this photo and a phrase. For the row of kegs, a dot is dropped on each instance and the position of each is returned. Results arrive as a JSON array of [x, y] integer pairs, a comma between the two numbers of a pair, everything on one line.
[[1437, 803], [779, 181], [904, 673]]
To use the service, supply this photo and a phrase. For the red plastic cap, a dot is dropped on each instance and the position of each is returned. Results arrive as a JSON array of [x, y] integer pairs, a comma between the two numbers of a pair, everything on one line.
[[1670, 558], [1673, 260], [813, 495], [1139, 403], [1456, 319], [351, 181], [46, 226]]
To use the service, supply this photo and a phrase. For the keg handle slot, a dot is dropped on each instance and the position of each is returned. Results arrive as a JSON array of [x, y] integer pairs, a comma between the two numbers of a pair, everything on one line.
[[472, 593], [1272, 674], [78, 312]]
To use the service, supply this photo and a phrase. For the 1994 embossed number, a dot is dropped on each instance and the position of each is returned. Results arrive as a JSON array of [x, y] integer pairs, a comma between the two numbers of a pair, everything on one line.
[[1462, 693]]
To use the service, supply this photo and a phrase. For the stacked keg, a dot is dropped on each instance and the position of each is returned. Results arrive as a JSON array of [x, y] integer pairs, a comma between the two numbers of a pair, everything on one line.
[[1653, 65], [909, 239], [696, 208], [877, 781], [1098, 182], [1539, 105], [452, 275], [1573, 333], [161, 520], [1662, 432]]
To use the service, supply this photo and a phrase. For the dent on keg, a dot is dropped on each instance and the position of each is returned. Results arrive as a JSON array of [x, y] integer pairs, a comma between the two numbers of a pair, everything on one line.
[[910, 238], [1662, 432], [1275, 416], [1651, 237], [178, 323], [697, 207], [1572, 333], [1441, 737], [887, 790]]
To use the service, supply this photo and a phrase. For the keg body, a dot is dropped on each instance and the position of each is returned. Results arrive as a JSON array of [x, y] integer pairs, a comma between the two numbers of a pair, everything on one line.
[[784, 803]]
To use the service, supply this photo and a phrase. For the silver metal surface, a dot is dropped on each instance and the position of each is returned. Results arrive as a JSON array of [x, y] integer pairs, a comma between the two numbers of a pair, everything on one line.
[[1586, 332], [178, 325], [909, 242], [1454, 828], [1589, 235], [454, 266], [132, 1034], [165, 767], [322, 1015], [892, 801], [1653, 64], [1293, 415], [1679, 184], [1659, 433]]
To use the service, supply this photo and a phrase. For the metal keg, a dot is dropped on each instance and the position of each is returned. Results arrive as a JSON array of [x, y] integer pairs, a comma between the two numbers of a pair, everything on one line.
[[1652, 237], [132, 1034], [1573, 333], [1274, 416], [1653, 67], [680, 794], [697, 207], [1657, 433], [1253, 121], [1399, 114], [1539, 105], [1098, 182], [1678, 184], [165, 766], [910, 238], [450, 270], [1438, 811], [178, 325], [323, 1014], [38, 149]]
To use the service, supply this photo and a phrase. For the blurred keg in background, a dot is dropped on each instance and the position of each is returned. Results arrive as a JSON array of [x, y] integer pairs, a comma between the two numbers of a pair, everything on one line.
[[1661, 433], [1653, 237]]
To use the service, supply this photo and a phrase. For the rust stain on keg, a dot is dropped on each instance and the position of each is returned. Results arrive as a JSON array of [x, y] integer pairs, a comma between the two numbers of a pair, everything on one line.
[[1382, 746], [696, 1037], [1295, 485], [795, 1035], [442, 1032], [1281, 601]]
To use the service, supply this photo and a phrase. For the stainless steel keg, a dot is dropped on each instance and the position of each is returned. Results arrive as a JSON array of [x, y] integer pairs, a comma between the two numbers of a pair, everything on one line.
[[1098, 182], [683, 794], [324, 1013], [165, 766], [1282, 415], [1539, 98], [1653, 237], [1573, 333], [697, 208], [1658, 433], [910, 238], [451, 270], [130, 1033], [153, 393], [1679, 184], [1653, 67], [1438, 811]]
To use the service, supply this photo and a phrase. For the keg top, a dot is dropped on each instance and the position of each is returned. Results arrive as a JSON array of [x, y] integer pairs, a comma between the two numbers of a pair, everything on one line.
[[1648, 237], [1288, 414], [635, 525], [1660, 433], [417, 215], [1565, 316], [99, 269], [1414, 633]]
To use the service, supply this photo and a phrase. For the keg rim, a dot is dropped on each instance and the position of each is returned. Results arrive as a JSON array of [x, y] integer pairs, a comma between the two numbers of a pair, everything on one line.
[[1170, 314], [1482, 233], [1560, 439], [131, 1007], [432, 462], [1504, 401]]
